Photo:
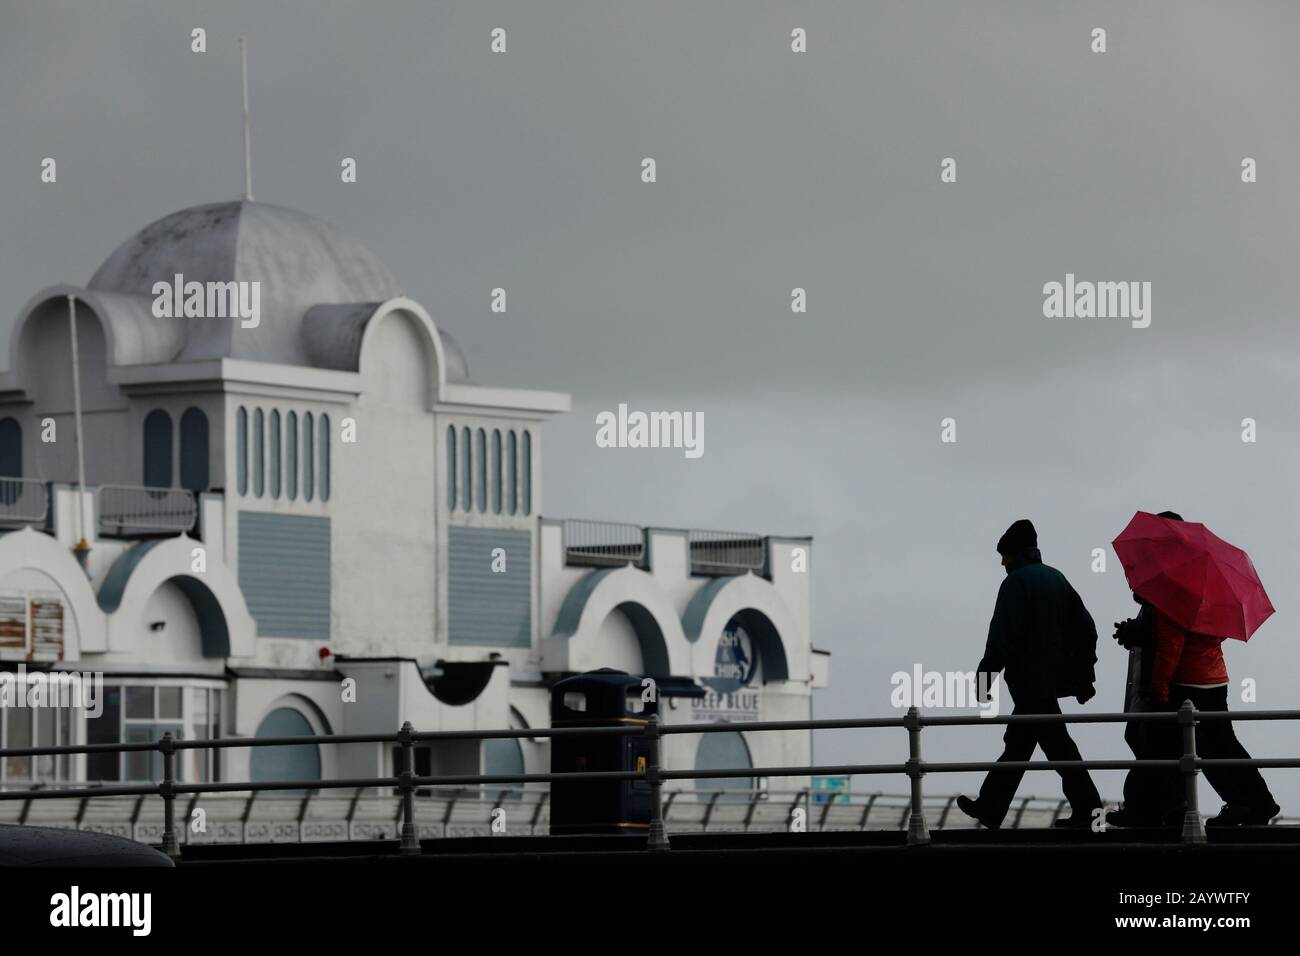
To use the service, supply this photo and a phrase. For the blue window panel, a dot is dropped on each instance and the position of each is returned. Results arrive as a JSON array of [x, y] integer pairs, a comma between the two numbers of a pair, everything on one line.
[[194, 450], [291, 455], [726, 751], [480, 456], [451, 467], [512, 474], [11, 448], [284, 573], [275, 453], [496, 471], [11, 460], [259, 454], [158, 449], [466, 476], [241, 450], [308, 458], [293, 762], [484, 607], [324, 458], [526, 476]]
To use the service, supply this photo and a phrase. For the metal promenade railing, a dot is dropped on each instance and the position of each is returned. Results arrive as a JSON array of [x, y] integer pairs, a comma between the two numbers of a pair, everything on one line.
[[368, 814], [169, 789], [131, 509]]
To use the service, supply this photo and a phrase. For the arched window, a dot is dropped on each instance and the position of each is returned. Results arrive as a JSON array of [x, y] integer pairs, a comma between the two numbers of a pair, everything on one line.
[[194, 450], [504, 757], [512, 475], [723, 751], [11, 459], [241, 450], [324, 458], [291, 455], [291, 762], [259, 454], [158, 449], [526, 474], [496, 471], [308, 458], [466, 456], [480, 456], [275, 453], [451, 467]]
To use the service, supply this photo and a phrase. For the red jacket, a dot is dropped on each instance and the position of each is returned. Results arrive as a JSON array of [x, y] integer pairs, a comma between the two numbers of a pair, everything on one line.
[[1181, 657]]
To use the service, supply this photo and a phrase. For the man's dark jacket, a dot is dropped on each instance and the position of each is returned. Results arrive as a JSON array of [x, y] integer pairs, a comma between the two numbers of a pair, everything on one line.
[[1041, 634]]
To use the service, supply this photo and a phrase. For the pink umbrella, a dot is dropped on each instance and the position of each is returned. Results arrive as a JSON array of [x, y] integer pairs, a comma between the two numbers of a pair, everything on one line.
[[1182, 568]]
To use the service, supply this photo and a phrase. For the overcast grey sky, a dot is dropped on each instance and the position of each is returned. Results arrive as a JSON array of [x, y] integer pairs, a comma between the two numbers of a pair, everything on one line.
[[775, 170]]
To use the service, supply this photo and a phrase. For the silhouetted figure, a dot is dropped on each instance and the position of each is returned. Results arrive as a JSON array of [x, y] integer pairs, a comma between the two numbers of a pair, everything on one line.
[[1189, 666], [1152, 797], [1045, 640], [1174, 665]]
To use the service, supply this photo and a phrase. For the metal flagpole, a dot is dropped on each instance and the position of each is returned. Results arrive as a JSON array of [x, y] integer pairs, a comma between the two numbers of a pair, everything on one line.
[[248, 147], [82, 546]]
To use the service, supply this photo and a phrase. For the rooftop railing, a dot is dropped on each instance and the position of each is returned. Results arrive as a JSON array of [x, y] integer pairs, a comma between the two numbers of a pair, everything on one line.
[[612, 544], [23, 501], [603, 543], [127, 510], [654, 775], [726, 552]]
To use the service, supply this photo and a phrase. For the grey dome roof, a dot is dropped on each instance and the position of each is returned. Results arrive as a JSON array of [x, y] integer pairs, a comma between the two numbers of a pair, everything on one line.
[[298, 261]]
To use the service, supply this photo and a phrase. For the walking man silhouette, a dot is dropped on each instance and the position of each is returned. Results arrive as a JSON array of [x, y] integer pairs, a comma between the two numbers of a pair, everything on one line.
[[1045, 640]]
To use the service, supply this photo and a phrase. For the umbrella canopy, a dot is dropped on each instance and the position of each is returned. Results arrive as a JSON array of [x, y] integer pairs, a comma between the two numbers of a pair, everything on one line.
[[1182, 568]]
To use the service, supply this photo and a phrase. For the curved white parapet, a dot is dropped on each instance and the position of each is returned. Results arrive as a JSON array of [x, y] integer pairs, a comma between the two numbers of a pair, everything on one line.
[[574, 643], [783, 647], [227, 629], [32, 550]]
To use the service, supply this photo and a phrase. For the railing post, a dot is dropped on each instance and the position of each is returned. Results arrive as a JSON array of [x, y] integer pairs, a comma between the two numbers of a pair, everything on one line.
[[918, 834], [1193, 826], [170, 845], [410, 845], [658, 839]]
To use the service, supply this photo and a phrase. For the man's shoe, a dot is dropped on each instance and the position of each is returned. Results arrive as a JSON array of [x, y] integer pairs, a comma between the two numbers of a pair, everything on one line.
[[972, 808], [1231, 816], [1077, 820]]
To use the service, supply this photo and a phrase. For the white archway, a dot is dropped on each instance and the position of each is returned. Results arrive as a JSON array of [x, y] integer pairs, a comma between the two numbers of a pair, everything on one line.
[[28, 549], [714, 605], [635, 593], [140, 571]]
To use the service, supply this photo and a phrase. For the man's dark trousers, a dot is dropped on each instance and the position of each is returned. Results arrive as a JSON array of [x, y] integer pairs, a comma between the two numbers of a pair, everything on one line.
[[1019, 742], [1215, 739]]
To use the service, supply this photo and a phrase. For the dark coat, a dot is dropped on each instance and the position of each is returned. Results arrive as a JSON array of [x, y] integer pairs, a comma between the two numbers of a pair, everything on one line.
[[1041, 634]]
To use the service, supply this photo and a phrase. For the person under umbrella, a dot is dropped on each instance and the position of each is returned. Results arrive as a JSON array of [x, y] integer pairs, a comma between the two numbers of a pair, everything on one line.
[[1202, 591], [1152, 797]]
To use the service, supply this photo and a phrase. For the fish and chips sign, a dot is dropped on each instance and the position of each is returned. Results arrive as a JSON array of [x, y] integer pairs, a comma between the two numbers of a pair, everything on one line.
[[728, 694]]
